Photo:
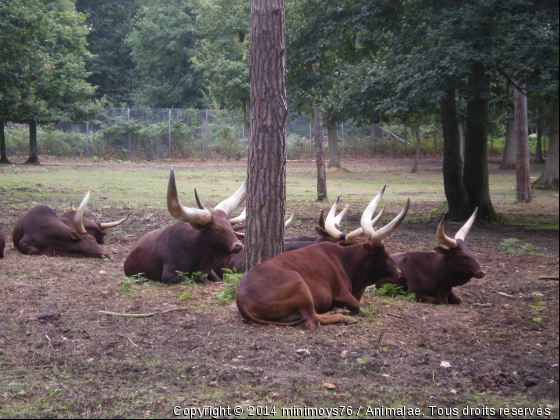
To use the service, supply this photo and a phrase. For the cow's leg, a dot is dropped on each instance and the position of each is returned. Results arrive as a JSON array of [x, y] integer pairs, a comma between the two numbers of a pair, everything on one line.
[[454, 298], [329, 318], [213, 277], [170, 275], [27, 249], [346, 300], [428, 299]]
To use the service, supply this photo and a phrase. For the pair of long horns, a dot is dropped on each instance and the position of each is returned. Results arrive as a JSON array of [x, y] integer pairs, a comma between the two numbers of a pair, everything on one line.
[[461, 235], [79, 217], [368, 222], [241, 218], [200, 216]]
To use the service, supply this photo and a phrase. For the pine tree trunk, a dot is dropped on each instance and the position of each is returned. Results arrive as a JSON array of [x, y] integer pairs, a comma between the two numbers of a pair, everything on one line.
[[3, 153], [475, 173], [266, 163], [334, 154], [417, 157], [319, 154], [510, 150], [549, 177], [455, 192], [523, 171], [33, 158]]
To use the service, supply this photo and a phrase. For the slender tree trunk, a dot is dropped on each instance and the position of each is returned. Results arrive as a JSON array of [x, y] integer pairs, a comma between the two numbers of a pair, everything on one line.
[[3, 153], [334, 154], [266, 163], [549, 177], [539, 158], [319, 154], [33, 157], [523, 171], [247, 119], [475, 173], [463, 138], [417, 157], [455, 192], [510, 150]]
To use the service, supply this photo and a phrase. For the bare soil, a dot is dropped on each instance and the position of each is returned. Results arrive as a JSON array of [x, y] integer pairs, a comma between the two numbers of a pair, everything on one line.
[[60, 357]]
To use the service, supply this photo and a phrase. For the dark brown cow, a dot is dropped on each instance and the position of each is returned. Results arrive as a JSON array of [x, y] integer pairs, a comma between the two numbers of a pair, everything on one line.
[[302, 286], [433, 275], [41, 232], [97, 230], [2, 245], [197, 243]]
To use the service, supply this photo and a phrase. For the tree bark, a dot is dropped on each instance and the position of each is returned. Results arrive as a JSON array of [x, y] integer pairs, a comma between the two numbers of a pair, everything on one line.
[[523, 171], [319, 154], [455, 191], [549, 177], [33, 157], [509, 160], [266, 163], [475, 173], [3, 153], [334, 154], [463, 138], [417, 157]]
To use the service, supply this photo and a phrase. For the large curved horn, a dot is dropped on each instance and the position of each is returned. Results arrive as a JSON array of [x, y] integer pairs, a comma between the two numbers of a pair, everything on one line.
[[367, 215], [230, 204], [79, 216], [462, 234], [332, 221], [180, 212], [386, 231], [111, 225], [443, 238], [287, 222], [239, 219], [351, 237]]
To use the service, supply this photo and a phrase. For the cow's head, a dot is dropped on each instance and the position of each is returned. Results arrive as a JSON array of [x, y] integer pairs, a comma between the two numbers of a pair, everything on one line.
[[95, 229], [82, 244], [214, 225], [460, 263]]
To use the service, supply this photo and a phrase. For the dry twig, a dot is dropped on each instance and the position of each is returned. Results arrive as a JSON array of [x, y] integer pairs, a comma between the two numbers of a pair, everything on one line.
[[148, 315]]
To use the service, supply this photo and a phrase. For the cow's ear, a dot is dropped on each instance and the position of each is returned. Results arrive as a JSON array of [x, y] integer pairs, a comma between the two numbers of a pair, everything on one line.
[[195, 226], [441, 251], [321, 232], [73, 236], [369, 248]]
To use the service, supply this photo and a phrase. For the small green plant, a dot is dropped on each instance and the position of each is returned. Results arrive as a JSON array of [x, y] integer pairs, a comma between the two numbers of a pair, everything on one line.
[[438, 212], [537, 309], [96, 159], [135, 279], [232, 280], [370, 310], [391, 291], [515, 247], [192, 279]]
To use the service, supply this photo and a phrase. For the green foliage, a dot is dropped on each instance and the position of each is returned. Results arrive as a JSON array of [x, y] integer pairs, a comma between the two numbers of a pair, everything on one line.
[[128, 282], [391, 291], [232, 280], [192, 279], [515, 247]]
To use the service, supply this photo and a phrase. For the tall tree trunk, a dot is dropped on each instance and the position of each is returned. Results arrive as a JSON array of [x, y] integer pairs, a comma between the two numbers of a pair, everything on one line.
[[509, 159], [3, 153], [334, 154], [539, 158], [549, 177], [33, 158], [266, 163], [417, 157], [463, 138], [319, 154], [475, 173], [523, 171], [455, 192]]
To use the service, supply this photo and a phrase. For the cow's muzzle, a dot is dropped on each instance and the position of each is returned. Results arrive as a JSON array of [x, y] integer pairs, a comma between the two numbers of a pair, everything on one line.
[[237, 248], [480, 275]]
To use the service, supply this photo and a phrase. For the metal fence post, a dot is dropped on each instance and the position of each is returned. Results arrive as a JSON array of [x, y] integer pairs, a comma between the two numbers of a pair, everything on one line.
[[206, 138], [87, 138], [128, 130], [243, 138], [169, 131], [343, 140], [310, 141]]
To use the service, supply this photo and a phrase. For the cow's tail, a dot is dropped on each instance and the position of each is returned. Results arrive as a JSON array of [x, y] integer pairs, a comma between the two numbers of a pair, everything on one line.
[[247, 315]]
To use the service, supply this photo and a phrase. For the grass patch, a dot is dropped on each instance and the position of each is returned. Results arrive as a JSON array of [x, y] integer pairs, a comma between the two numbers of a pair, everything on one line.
[[391, 291], [515, 247]]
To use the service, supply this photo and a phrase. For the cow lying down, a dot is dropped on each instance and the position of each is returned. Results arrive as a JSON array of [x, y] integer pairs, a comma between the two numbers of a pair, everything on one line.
[[2, 245], [304, 286]]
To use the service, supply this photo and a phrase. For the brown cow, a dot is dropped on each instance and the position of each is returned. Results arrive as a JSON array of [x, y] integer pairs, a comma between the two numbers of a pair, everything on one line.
[[302, 286], [197, 243], [41, 232], [97, 230], [433, 275], [2, 245]]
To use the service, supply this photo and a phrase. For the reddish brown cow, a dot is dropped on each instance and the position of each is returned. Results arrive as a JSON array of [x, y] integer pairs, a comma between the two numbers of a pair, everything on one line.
[[2, 245], [433, 275], [97, 230], [41, 232], [302, 286], [197, 243]]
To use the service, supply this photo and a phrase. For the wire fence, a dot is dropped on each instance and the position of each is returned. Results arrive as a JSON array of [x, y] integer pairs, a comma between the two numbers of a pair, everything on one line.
[[156, 133]]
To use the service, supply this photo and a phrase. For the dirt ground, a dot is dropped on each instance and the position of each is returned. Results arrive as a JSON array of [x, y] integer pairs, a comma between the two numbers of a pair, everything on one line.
[[60, 357]]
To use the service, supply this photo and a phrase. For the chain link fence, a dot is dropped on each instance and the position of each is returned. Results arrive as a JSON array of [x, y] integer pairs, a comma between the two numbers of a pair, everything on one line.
[[156, 133]]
